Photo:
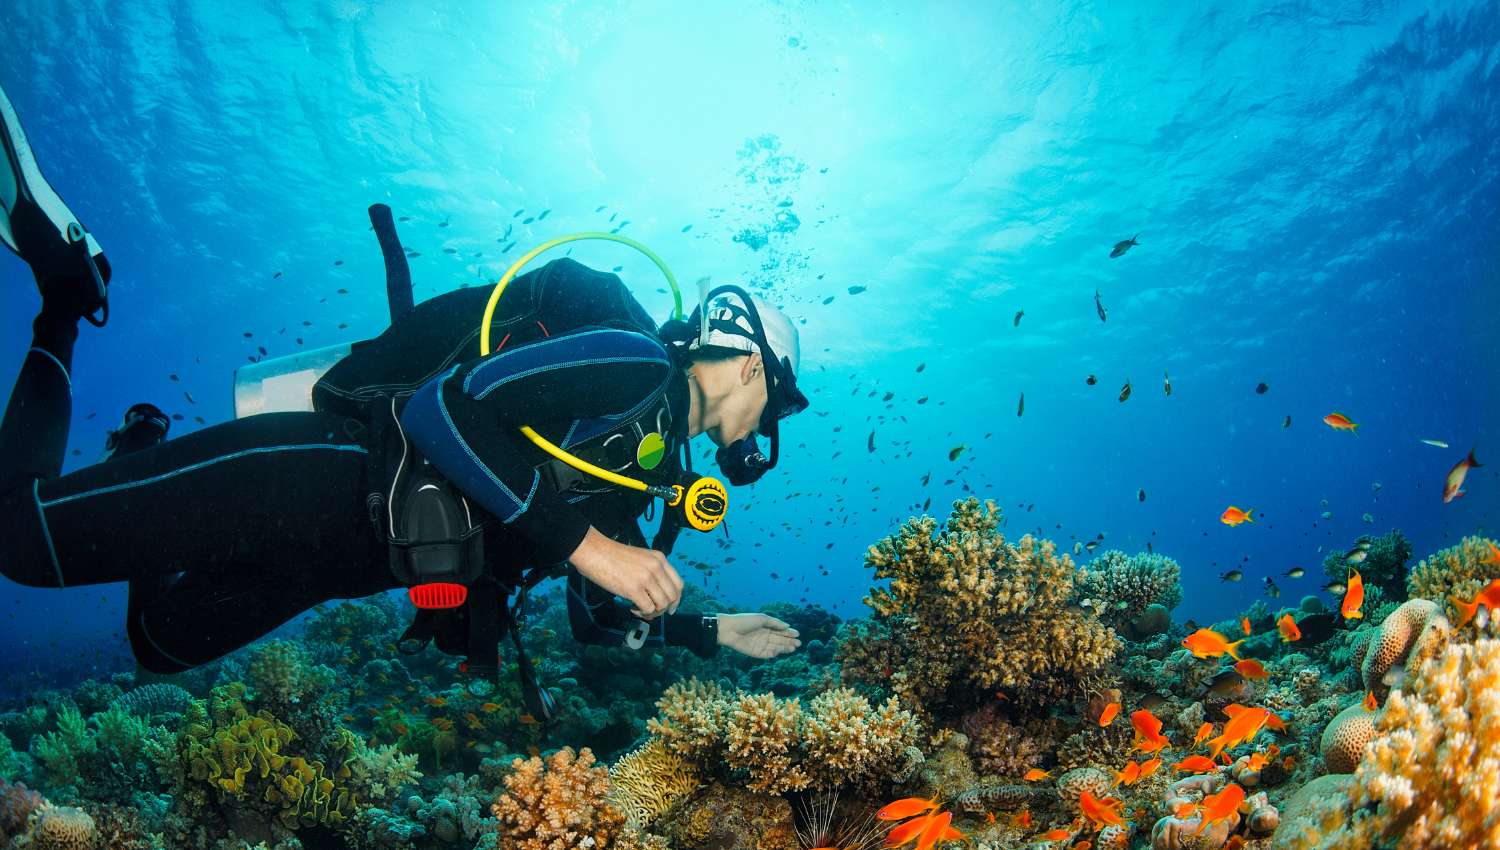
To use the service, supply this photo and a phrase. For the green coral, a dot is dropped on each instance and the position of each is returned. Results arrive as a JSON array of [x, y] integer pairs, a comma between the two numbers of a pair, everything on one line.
[[60, 752], [380, 772], [1384, 565], [246, 757], [282, 673]]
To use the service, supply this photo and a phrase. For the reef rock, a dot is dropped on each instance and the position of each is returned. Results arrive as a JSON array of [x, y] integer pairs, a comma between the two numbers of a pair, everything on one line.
[[727, 818]]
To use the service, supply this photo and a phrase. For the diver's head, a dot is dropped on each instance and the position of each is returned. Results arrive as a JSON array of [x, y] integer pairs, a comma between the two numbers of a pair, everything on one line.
[[143, 426], [742, 358]]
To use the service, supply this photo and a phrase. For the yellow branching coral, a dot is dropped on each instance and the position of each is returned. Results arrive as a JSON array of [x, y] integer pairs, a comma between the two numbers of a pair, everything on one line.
[[838, 739], [647, 781], [966, 613], [1460, 571], [759, 738], [559, 804], [1431, 776]]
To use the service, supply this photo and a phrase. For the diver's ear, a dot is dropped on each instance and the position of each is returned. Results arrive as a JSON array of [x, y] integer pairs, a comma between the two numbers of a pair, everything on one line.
[[750, 369]]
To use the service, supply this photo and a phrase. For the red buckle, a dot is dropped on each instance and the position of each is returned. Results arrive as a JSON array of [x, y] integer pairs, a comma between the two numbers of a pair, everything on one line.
[[438, 595]]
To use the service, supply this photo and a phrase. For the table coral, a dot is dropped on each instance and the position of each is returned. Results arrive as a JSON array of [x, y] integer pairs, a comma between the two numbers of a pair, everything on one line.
[[967, 613], [1431, 776]]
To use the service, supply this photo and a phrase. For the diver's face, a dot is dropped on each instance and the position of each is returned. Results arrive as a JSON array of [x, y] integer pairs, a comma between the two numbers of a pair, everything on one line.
[[740, 408]]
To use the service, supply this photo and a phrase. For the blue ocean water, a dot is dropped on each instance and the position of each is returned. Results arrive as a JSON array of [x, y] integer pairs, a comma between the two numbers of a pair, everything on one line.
[[1314, 187]]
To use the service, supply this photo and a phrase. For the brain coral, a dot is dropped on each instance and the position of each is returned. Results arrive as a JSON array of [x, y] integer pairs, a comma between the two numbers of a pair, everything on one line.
[[1431, 776], [1345, 737], [1412, 633], [967, 613], [59, 828]]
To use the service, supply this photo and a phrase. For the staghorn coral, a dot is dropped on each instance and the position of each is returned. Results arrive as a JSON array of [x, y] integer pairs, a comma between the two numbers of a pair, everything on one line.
[[1121, 587], [1431, 776], [151, 700], [1460, 571], [649, 780], [967, 613], [840, 738], [559, 804]]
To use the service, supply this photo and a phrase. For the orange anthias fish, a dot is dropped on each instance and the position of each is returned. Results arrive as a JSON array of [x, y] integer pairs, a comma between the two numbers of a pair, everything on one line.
[[1233, 516], [1058, 834], [490, 707], [1149, 767], [1288, 628], [436, 702], [1251, 669], [1489, 597], [938, 829], [1108, 715], [1105, 812], [1203, 732], [1220, 806], [1245, 625], [1257, 761], [1036, 773], [905, 808], [1022, 819], [907, 832], [1244, 724], [1194, 764], [1354, 597], [1339, 422], [1207, 643], [1148, 736], [1370, 703], [1130, 775], [1453, 487]]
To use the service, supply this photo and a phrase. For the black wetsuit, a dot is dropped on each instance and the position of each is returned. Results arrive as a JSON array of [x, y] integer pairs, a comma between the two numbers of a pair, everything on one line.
[[230, 531]]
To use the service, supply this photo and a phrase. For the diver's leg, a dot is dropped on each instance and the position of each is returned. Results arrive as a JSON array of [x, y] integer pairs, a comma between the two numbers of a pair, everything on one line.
[[260, 491], [180, 622], [34, 431]]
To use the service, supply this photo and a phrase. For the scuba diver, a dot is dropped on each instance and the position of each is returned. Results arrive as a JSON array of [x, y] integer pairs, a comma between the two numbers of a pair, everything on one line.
[[424, 460]]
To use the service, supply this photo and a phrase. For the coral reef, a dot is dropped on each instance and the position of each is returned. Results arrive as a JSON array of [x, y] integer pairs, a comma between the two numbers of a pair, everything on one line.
[[1460, 571], [1344, 739], [840, 738], [725, 817], [1431, 775], [152, 700], [1121, 587], [560, 803], [1383, 566], [1001, 748], [649, 780], [1182, 830], [1414, 632], [59, 828], [17, 802], [967, 613]]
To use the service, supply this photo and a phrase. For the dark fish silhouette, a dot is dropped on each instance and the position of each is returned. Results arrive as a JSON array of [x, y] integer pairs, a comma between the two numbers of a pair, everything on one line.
[[1316, 628], [1125, 390], [1271, 589], [856, 289], [338, 262], [1099, 308], [921, 366], [1287, 422], [1260, 388], [1166, 383], [870, 443], [1021, 408], [274, 276], [1121, 247], [1017, 322], [1140, 495], [1232, 575], [686, 229], [1091, 380]]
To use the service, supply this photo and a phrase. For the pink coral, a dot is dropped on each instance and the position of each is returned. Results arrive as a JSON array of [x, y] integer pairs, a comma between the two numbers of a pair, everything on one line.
[[17, 802]]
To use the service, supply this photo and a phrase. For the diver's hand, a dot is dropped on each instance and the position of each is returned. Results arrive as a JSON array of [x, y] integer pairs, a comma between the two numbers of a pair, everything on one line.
[[757, 635], [644, 576]]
